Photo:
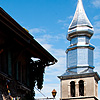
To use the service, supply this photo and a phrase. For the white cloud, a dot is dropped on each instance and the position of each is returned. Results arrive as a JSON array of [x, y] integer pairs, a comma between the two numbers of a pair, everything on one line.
[[97, 24], [96, 17], [47, 46], [96, 37], [65, 23], [59, 68], [70, 17], [37, 30], [96, 3], [61, 21], [49, 38], [65, 26], [96, 30], [56, 52], [44, 38]]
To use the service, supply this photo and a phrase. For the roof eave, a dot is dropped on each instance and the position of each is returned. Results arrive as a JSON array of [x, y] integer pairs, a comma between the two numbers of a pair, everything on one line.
[[12, 24]]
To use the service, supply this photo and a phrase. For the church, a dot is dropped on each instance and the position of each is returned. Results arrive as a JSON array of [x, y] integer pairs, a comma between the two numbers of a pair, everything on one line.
[[79, 82]]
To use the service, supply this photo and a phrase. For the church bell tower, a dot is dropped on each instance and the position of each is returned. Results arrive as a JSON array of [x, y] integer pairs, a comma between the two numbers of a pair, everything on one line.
[[79, 82]]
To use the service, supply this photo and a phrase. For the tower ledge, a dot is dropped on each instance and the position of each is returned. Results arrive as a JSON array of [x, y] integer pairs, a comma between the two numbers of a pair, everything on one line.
[[74, 76], [79, 31]]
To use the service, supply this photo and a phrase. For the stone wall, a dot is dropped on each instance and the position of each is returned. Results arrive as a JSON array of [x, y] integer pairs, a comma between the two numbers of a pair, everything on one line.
[[90, 87]]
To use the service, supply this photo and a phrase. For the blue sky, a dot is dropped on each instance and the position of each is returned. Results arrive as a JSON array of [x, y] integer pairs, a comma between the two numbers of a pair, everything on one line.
[[48, 22]]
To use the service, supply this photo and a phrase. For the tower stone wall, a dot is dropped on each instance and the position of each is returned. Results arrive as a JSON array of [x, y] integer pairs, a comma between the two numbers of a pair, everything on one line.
[[90, 86]]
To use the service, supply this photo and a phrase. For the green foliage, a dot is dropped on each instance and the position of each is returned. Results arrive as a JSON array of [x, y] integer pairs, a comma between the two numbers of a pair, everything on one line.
[[36, 75]]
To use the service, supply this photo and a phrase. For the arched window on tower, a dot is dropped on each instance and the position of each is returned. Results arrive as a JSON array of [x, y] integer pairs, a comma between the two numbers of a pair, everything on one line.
[[72, 88], [81, 88]]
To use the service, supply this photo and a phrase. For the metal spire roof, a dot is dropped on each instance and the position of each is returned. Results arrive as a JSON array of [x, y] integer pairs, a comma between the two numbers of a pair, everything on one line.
[[80, 17]]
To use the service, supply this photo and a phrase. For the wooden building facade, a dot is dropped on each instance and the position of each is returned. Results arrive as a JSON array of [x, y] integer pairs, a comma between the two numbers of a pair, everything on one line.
[[17, 47]]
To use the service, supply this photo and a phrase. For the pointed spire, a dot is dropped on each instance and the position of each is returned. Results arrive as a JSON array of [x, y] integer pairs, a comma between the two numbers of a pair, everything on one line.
[[80, 23], [80, 18]]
